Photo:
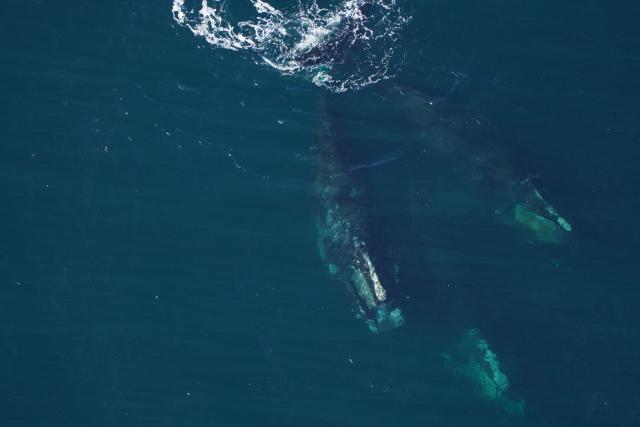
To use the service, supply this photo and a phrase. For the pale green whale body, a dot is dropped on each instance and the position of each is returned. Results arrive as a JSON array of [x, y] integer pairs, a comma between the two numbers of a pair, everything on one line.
[[473, 360]]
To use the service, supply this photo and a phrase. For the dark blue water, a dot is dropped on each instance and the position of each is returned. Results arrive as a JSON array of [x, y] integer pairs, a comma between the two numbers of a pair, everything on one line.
[[159, 265]]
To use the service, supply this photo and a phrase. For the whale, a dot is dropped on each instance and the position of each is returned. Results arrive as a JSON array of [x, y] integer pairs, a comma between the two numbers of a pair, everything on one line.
[[473, 360], [345, 236], [487, 166]]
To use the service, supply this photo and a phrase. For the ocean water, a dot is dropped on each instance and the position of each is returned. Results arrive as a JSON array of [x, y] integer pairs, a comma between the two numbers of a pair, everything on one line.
[[159, 262]]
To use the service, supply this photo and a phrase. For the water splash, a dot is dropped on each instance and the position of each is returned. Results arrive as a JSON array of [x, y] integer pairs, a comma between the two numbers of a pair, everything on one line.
[[345, 47]]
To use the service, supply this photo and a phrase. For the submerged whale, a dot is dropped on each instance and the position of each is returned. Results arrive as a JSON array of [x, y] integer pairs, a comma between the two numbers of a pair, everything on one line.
[[485, 165], [344, 234], [472, 359]]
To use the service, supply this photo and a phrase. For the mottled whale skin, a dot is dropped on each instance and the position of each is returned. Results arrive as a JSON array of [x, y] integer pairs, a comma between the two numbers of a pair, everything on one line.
[[344, 238]]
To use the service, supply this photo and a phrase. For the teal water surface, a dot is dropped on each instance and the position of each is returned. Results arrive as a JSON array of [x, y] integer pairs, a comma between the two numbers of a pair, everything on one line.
[[159, 264]]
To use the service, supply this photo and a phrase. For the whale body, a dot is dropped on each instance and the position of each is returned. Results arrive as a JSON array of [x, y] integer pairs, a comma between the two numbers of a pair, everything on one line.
[[344, 238], [487, 166]]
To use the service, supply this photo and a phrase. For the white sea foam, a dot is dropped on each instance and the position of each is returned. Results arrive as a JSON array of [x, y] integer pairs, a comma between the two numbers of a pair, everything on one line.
[[307, 40]]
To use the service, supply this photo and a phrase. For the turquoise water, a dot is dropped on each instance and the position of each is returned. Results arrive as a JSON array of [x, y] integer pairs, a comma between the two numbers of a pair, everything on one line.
[[159, 263]]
